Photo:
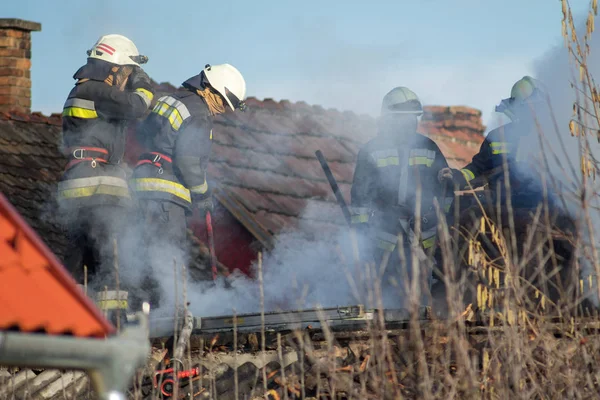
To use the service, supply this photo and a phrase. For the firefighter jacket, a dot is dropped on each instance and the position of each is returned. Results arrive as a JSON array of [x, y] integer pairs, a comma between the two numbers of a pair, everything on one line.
[[178, 133], [94, 119], [384, 189], [512, 142]]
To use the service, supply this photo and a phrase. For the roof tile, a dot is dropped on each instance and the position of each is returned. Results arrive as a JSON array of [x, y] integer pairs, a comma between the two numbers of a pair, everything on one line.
[[37, 278]]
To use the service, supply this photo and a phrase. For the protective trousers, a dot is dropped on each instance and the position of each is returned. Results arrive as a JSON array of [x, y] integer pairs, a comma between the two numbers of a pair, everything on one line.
[[164, 242], [91, 234]]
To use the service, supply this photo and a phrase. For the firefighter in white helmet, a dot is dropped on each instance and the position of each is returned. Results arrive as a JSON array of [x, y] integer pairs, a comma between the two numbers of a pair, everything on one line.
[[390, 171], [170, 178], [111, 90]]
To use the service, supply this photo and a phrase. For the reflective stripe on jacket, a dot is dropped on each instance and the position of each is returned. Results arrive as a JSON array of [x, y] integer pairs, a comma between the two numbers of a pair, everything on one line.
[[180, 127], [387, 175]]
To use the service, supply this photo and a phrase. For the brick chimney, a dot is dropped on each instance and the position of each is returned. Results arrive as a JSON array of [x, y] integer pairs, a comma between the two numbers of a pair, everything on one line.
[[15, 64]]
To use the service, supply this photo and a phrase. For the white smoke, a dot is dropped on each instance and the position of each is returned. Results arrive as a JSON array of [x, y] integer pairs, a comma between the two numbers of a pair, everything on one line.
[[561, 77], [298, 273]]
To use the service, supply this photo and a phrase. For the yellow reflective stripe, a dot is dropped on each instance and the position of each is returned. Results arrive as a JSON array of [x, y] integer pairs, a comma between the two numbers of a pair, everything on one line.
[[162, 185], [92, 181], [382, 244], [112, 304], [385, 162], [79, 112], [386, 241], [200, 189], [427, 243], [360, 218], [499, 147], [175, 119], [174, 110], [145, 92], [161, 108], [468, 174], [420, 161], [93, 190]]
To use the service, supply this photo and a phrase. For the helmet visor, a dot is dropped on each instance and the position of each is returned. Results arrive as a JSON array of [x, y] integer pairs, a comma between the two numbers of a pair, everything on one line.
[[235, 101], [409, 107], [139, 59]]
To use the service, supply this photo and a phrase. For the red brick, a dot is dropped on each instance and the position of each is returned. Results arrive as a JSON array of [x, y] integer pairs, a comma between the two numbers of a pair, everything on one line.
[[15, 53], [15, 33], [18, 82], [15, 91], [24, 44], [15, 72], [21, 63], [21, 101], [9, 42], [11, 107]]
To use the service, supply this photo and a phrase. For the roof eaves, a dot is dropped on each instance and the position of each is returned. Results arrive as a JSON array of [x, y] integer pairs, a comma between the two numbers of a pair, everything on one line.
[[57, 269]]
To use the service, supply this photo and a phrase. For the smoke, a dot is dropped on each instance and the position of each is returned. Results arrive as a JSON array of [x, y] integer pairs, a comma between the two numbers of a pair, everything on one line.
[[300, 272], [563, 152]]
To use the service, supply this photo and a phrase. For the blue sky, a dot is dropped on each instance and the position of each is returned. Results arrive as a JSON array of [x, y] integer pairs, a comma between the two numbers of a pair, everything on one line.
[[340, 54]]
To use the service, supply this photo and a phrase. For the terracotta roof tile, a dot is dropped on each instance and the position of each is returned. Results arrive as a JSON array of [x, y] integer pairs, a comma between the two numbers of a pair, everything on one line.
[[36, 278]]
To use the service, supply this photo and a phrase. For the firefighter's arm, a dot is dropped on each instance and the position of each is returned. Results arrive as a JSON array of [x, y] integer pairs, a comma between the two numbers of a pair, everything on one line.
[[192, 152], [481, 162], [362, 192], [131, 103], [124, 105]]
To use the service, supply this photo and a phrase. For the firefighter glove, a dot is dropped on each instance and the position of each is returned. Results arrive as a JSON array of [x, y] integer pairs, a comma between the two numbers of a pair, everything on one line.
[[140, 80], [445, 174], [459, 178], [206, 204], [203, 200]]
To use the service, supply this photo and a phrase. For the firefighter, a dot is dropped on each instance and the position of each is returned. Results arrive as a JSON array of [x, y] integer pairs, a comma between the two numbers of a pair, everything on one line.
[[516, 143], [170, 179], [396, 172], [111, 89]]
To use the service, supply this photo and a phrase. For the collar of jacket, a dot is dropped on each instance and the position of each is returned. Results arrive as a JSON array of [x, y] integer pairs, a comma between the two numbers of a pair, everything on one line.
[[95, 70]]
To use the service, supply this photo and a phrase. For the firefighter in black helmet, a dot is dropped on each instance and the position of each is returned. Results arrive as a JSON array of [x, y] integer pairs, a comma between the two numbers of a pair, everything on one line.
[[393, 172], [93, 195], [170, 178]]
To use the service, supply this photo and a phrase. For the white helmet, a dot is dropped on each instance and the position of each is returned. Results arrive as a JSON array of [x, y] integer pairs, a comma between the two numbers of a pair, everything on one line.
[[117, 49], [228, 82], [401, 100]]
